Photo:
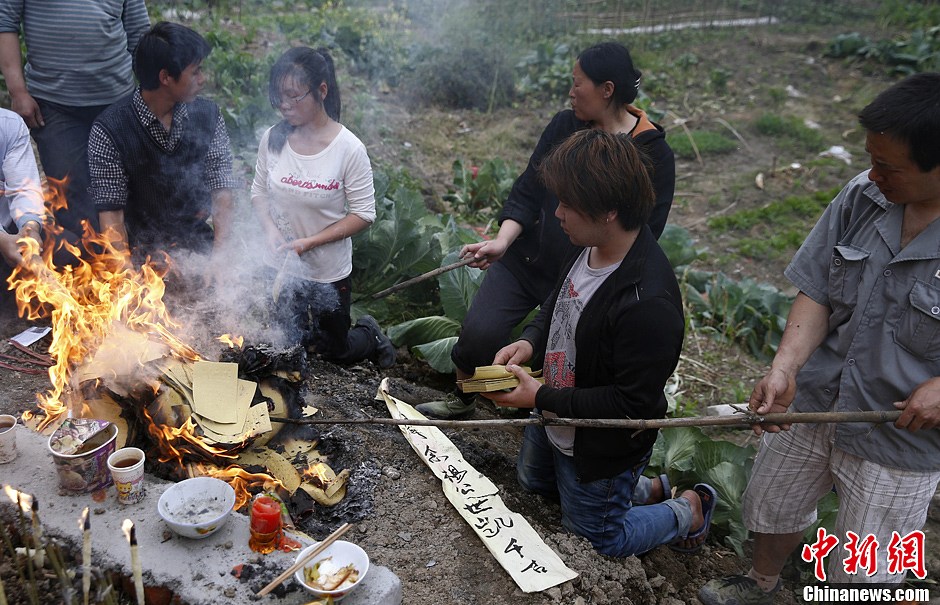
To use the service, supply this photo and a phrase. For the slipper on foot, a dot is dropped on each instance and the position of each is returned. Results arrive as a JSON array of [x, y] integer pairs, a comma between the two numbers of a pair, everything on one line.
[[667, 487], [709, 499]]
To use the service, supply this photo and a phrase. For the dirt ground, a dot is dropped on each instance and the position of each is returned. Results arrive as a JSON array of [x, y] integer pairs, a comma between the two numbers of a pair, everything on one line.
[[411, 527]]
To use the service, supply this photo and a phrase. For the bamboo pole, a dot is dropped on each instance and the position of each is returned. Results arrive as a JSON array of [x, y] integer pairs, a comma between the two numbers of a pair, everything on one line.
[[423, 277], [743, 420]]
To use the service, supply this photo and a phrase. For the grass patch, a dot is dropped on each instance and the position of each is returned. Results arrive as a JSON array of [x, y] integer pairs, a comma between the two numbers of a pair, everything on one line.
[[777, 228], [790, 130], [707, 143]]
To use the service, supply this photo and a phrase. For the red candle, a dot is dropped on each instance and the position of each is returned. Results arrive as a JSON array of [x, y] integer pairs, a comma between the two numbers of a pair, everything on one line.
[[265, 515]]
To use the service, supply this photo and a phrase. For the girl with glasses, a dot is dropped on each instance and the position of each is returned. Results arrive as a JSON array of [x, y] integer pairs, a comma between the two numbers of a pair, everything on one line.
[[311, 193]]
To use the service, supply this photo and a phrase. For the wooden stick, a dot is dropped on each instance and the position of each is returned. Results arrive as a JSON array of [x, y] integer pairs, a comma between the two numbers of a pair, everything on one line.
[[299, 564], [423, 277], [22, 369], [41, 357], [33, 361], [740, 420]]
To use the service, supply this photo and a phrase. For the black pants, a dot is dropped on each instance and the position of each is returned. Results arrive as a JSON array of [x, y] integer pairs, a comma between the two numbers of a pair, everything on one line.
[[318, 315]]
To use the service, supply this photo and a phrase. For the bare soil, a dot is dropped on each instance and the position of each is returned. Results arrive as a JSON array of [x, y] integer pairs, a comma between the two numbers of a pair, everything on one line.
[[411, 528]]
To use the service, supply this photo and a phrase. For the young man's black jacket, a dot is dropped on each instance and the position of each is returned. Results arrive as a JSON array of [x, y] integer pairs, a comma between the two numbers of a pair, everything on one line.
[[628, 342]]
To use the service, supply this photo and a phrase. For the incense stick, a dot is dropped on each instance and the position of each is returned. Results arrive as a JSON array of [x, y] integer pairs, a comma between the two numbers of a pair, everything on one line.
[[84, 524], [300, 563], [131, 534]]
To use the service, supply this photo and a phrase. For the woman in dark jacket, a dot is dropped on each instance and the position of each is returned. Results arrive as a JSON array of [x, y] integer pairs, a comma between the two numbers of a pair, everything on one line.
[[611, 333], [526, 256]]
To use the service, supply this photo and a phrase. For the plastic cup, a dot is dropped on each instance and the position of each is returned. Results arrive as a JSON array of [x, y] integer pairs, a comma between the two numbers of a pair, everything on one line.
[[127, 470], [7, 438]]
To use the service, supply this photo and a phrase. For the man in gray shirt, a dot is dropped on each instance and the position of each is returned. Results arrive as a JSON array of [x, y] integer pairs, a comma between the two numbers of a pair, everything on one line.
[[863, 334], [21, 207], [78, 63]]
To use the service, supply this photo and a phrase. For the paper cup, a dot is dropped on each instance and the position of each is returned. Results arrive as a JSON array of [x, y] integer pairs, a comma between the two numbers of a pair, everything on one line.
[[7, 438], [87, 471], [127, 470]]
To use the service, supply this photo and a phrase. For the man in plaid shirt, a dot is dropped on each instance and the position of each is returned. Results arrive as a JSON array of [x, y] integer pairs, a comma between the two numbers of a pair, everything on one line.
[[159, 159]]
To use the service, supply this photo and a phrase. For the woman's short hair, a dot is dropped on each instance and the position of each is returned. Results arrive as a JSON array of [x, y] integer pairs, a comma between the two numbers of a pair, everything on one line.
[[168, 46], [909, 111], [611, 62], [594, 172]]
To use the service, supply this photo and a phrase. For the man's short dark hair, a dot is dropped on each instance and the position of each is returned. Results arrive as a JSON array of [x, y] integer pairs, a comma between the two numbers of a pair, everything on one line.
[[594, 172], [168, 46], [909, 111]]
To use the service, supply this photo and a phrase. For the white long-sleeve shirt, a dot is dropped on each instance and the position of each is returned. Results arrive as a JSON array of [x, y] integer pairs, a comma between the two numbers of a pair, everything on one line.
[[308, 193], [21, 196]]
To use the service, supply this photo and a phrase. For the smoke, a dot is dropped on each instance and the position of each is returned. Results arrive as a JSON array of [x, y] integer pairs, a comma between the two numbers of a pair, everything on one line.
[[237, 296]]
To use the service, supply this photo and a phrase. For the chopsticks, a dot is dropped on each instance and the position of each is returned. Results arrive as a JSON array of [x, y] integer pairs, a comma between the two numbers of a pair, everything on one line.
[[299, 564]]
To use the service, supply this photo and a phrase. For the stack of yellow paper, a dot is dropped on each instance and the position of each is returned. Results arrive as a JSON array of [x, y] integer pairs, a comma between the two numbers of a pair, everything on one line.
[[487, 379], [222, 404]]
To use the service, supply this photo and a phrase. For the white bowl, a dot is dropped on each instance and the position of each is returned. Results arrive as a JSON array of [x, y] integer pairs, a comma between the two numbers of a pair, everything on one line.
[[197, 507], [341, 554]]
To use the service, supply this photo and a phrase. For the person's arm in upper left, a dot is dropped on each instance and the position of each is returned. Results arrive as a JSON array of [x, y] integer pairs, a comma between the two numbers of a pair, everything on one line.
[[11, 65], [108, 186], [523, 207], [21, 176], [663, 175], [23, 192], [221, 184], [136, 22]]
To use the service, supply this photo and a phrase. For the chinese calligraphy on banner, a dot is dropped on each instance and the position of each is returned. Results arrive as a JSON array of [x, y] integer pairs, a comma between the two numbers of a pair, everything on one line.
[[507, 535]]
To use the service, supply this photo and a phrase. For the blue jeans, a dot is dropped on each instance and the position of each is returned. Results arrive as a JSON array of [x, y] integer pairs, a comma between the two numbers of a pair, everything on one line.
[[63, 152], [602, 510]]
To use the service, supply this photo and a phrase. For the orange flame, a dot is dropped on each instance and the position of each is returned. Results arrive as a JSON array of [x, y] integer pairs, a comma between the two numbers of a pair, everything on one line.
[[243, 482], [85, 302], [21, 499], [319, 473], [232, 341], [174, 443], [105, 295]]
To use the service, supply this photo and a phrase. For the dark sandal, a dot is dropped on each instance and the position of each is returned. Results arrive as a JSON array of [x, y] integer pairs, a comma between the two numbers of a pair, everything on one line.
[[709, 499]]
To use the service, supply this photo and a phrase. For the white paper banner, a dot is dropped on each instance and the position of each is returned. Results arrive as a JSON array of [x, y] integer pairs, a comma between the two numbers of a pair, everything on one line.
[[507, 535]]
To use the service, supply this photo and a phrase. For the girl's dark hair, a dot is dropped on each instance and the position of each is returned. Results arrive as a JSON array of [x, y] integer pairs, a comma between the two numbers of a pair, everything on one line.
[[909, 111], [168, 46], [611, 62], [305, 66], [594, 171]]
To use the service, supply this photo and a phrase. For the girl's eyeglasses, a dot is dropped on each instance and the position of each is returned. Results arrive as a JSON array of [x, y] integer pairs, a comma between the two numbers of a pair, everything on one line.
[[291, 102]]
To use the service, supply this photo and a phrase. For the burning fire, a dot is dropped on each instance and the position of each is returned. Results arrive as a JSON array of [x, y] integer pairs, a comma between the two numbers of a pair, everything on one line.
[[174, 442], [243, 482], [104, 307], [233, 342], [21, 499], [320, 473], [87, 303]]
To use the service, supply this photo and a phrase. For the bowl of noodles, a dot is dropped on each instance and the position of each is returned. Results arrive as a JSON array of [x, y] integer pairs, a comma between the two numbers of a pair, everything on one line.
[[335, 572]]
